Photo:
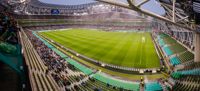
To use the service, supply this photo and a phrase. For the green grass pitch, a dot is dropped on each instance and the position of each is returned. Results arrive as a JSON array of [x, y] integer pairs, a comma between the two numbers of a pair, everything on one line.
[[129, 49]]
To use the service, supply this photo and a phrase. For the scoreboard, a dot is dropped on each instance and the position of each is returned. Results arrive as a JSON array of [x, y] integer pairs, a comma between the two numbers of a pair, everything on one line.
[[55, 12]]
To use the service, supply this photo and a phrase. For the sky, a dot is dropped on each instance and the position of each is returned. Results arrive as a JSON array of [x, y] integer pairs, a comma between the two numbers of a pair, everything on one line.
[[151, 5]]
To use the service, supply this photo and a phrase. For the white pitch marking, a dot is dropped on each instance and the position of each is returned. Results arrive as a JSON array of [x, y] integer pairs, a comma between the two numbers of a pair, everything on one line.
[[143, 39]]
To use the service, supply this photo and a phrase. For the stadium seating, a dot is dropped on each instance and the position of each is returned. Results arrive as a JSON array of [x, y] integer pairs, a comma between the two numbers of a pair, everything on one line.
[[82, 68], [190, 66], [190, 72], [92, 83], [153, 86], [161, 42], [117, 83], [177, 48], [187, 56], [167, 39], [172, 47], [167, 51], [40, 81], [175, 61], [173, 44], [187, 83], [176, 75]]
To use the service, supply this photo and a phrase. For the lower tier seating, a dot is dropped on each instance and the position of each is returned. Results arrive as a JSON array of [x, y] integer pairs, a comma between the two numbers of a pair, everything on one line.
[[117, 83], [176, 75], [192, 65], [153, 86], [175, 61], [161, 42], [190, 72], [167, 51], [187, 83]]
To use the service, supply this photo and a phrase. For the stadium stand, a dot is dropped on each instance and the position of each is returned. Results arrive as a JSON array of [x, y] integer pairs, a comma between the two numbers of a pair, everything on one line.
[[176, 75], [175, 51], [37, 69], [191, 65], [36, 59], [190, 72], [186, 56], [187, 83], [120, 84], [153, 86], [175, 61], [161, 42], [167, 51]]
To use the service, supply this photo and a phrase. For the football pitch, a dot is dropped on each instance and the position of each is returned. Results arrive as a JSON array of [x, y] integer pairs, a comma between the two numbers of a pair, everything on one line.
[[128, 49]]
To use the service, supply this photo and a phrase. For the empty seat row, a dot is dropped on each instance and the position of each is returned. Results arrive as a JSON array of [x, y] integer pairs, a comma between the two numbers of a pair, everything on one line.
[[171, 47], [185, 87], [174, 61], [187, 56], [153, 86], [187, 83], [192, 65], [177, 48], [168, 51], [190, 72]]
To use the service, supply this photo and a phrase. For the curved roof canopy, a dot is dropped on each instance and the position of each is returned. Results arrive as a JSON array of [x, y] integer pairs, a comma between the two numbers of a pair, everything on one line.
[[67, 2]]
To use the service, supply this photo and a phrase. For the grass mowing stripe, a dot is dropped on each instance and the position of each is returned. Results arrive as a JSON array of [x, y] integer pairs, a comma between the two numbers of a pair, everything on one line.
[[130, 51], [101, 51], [118, 48], [103, 45], [123, 50], [112, 54]]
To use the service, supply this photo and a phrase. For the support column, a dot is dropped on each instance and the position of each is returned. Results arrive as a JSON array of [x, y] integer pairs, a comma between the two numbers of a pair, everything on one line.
[[174, 10], [197, 47]]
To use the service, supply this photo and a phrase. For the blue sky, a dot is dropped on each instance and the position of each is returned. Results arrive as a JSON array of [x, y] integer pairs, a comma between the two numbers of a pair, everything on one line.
[[151, 5]]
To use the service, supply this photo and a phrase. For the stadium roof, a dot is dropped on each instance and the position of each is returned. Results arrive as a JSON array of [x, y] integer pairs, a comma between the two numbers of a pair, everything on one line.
[[151, 5], [67, 2]]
